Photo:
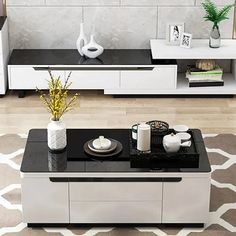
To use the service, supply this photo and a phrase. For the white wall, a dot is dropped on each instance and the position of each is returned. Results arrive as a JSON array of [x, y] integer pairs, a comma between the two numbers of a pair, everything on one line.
[[117, 23]]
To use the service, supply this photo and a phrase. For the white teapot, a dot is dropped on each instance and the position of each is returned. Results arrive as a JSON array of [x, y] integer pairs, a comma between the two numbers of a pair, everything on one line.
[[172, 143]]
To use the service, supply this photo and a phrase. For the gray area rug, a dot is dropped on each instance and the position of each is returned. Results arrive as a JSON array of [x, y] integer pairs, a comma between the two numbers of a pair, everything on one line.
[[222, 154]]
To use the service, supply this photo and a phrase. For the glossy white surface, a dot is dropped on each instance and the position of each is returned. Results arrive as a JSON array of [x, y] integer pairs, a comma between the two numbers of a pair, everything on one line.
[[200, 50], [95, 79], [44, 201], [106, 191], [28, 78], [184, 89], [186, 201], [115, 212], [161, 77], [117, 202], [4, 55]]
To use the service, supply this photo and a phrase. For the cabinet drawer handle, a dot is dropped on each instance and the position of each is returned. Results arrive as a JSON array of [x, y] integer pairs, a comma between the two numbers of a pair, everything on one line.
[[172, 180], [90, 179], [100, 68], [41, 68], [59, 180]]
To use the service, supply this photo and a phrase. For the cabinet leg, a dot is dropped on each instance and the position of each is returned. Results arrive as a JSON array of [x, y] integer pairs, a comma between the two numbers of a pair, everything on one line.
[[21, 93]]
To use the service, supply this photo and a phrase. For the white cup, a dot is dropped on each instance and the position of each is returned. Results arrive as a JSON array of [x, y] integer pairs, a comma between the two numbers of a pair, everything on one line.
[[144, 137]]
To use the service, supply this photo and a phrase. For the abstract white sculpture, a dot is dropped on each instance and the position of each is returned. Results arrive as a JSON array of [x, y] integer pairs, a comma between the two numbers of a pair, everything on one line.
[[92, 49], [81, 41]]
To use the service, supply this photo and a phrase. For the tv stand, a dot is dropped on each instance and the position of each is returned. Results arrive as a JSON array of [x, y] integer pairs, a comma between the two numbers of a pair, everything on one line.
[[117, 71]]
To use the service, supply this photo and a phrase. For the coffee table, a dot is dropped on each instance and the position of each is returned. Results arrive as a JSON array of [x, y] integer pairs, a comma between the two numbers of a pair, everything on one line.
[[73, 188]]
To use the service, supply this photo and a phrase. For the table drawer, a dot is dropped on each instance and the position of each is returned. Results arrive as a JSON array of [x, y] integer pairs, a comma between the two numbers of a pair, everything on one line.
[[110, 191], [95, 79], [31, 78], [115, 212], [161, 77]]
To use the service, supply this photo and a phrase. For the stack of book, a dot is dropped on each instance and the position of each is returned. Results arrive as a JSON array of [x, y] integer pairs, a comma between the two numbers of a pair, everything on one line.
[[202, 78]]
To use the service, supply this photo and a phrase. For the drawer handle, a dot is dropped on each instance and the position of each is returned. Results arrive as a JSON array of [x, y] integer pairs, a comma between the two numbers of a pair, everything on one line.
[[90, 179], [59, 180], [172, 180], [100, 68], [41, 68]]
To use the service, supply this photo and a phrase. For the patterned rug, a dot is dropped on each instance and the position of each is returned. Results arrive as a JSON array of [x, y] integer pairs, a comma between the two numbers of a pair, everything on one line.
[[222, 154]]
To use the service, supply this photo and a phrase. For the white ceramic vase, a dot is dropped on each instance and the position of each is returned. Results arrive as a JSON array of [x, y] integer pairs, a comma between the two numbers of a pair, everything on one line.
[[81, 41], [56, 132], [92, 49]]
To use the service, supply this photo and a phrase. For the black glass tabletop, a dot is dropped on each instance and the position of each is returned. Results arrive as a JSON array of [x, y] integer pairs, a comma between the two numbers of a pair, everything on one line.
[[38, 158]]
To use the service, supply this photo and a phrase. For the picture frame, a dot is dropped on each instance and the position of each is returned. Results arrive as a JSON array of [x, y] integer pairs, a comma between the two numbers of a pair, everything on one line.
[[186, 40], [174, 32]]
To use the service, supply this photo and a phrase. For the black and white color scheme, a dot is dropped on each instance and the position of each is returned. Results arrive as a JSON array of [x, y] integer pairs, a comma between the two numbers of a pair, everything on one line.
[[186, 40], [222, 156], [82, 189], [174, 33]]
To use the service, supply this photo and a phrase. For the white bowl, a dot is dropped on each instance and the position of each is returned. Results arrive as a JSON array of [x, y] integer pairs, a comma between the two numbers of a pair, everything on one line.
[[180, 128], [184, 136]]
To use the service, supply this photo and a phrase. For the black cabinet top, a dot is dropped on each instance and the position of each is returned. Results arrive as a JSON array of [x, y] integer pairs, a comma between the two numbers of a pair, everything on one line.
[[37, 157], [2, 21], [72, 57]]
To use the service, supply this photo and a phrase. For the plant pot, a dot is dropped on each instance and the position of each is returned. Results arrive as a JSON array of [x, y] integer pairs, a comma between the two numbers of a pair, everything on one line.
[[56, 132], [215, 39]]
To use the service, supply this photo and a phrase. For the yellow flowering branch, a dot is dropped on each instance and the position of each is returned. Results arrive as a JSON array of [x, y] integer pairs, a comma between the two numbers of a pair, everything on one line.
[[56, 101]]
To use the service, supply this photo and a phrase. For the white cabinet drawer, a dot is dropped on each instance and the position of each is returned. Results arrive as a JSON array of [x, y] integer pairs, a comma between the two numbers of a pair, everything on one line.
[[95, 79], [186, 201], [44, 201], [161, 77], [29, 78], [118, 191], [115, 212]]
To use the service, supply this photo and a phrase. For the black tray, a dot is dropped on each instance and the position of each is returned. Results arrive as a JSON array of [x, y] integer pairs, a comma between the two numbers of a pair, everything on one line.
[[159, 158]]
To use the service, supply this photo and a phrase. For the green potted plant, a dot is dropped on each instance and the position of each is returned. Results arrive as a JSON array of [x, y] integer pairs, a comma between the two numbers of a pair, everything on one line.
[[215, 15]]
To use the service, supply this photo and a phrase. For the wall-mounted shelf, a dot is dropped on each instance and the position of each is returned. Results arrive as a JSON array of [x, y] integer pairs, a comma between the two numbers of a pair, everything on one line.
[[200, 50]]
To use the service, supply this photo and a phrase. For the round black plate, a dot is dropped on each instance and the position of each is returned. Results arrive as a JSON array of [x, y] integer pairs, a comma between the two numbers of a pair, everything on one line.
[[111, 149], [118, 149]]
